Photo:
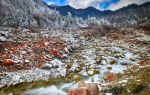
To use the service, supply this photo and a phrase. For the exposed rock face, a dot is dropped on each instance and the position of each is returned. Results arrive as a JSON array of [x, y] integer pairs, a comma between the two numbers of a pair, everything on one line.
[[24, 13]]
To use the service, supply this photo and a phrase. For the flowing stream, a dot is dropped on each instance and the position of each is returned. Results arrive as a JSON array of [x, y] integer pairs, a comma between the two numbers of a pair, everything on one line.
[[124, 59]]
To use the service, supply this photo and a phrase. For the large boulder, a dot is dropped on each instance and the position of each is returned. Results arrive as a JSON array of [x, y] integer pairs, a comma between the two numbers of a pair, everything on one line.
[[79, 91], [91, 87]]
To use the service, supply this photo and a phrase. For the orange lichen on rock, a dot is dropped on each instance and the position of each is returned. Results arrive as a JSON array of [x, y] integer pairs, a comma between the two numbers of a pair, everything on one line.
[[8, 62], [144, 62], [38, 51], [141, 62], [110, 77], [54, 52]]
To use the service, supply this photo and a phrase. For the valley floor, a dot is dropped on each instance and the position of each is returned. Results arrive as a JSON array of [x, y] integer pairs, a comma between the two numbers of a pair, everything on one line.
[[52, 62]]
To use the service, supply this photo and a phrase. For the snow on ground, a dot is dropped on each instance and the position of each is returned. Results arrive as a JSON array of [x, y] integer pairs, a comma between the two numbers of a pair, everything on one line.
[[31, 75], [88, 54]]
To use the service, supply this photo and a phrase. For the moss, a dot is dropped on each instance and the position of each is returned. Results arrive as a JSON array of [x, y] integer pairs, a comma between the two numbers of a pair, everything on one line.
[[113, 62], [96, 72], [72, 77], [21, 87], [137, 88], [77, 78], [98, 60], [68, 78], [68, 66], [82, 65], [138, 81], [118, 55], [109, 68]]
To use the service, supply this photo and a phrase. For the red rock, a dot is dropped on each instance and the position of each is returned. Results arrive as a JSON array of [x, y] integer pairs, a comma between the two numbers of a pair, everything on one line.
[[54, 52], [142, 63], [62, 48], [110, 77], [92, 87], [26, 65], [8, 62], [79, 91], [40, 65]]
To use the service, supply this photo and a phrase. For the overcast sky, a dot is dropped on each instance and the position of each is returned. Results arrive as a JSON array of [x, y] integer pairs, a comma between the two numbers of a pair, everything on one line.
[[99, 4]]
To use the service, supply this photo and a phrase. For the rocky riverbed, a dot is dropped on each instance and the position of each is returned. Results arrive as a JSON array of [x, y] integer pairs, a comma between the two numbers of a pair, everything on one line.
[[53, 62]]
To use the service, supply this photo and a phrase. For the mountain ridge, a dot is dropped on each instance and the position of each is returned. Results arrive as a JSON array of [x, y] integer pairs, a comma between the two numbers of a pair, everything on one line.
[[91, 11]]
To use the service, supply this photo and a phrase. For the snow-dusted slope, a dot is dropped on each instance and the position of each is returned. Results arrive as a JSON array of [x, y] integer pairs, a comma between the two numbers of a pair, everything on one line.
[[24, 13]]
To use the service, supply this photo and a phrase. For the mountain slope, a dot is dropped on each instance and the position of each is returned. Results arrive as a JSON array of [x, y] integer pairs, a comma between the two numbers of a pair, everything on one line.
[[130, 15], [24, 13], [84, 13]]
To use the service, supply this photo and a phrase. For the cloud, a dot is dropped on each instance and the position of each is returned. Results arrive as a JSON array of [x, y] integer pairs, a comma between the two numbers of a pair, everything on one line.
[[85, 3], [123, 3], [112, 4]]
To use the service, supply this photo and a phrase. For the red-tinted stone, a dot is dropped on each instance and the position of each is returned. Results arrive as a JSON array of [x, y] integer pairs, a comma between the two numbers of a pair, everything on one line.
[[54, 52], [79, 91], [92, 87], [8, 62], [110, 77]]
